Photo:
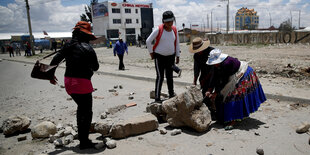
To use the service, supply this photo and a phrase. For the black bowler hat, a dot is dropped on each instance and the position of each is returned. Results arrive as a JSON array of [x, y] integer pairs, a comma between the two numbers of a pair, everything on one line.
[[168, 16]]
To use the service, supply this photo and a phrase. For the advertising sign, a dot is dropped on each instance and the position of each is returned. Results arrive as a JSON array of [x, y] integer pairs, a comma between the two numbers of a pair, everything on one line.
[[100, 9]]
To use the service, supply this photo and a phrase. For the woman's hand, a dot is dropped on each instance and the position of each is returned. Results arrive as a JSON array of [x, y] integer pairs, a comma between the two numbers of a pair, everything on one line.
[[54, 80]]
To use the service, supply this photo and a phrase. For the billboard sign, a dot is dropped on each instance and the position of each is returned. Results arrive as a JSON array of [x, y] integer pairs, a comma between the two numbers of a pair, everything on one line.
[[100, 9]]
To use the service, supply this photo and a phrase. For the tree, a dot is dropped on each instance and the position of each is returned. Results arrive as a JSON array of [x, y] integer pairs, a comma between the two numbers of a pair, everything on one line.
[[87, 15], [286, 26]]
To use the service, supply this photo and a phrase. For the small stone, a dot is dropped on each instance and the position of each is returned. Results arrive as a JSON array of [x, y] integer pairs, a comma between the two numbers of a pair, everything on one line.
[[112, 90], [60, 127], [230, 132], [68, 139], [99, 146], [266, 126], [116, 86], [52, 138], [176, 132], [140, 138], [256, 134], [130, 97], [259, 151], [111, 144], [222, 149], [278, 100], [62, 86], [58, 143], [162, 131], [69, 99], [209, 144], [120, 87], [303, 128], [103, 115], [132, 93], [21, 138], [115, 93], [95, 89]]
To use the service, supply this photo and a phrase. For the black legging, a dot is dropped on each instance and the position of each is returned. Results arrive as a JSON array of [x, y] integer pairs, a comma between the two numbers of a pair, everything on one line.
[[163, 65], [121, 65], [84, 114]]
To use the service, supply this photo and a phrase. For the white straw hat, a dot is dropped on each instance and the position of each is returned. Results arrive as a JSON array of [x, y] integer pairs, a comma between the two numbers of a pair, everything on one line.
[[216, 56]]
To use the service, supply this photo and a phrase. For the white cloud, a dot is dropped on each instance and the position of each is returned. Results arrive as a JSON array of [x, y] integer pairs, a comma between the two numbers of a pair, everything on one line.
[[50, 16]]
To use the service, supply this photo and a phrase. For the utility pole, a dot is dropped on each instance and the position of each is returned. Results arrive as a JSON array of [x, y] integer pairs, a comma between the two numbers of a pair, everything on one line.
[[291, 19], [208, 25], [299, 21], [29, 26], [227, 19]]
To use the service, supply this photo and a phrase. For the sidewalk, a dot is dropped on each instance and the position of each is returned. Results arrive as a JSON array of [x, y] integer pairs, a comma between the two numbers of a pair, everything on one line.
[[299, 95]]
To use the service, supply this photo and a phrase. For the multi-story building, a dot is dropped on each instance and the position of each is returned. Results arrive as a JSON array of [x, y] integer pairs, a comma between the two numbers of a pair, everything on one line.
[[125, 20], [246, 19]]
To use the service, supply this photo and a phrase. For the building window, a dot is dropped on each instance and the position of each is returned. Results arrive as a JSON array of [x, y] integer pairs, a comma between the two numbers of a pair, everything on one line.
[[136, 10], [117, 21], [112, 33], [127, 10], [128, 21], [114, 10], [130, 31], [137, 21]]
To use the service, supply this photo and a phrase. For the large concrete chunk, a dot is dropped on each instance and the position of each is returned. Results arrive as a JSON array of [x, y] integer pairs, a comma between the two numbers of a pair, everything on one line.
[[187, 109], [134, 126], [15, 124], [43, 130], [103, 128]]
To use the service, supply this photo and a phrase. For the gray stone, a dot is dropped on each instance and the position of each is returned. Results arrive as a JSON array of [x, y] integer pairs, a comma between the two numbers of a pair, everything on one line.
[[112, 90], [104, 115], [103, 128], [157, 110], [68, 139], [120, 87], [74, 134], [303, 128], [176, 132], [259, 151], [130, 97], [60, 127], [99, 146], [21, 138], [162, 131], [60, 133], [68, 130], [43, 130], [111, 144], [15, 124], [187, 109], [134, 126], [52, 138], [58, 142]]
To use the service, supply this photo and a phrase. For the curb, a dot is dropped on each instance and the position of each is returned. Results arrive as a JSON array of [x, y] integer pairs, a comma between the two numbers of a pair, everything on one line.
[[180, 83]]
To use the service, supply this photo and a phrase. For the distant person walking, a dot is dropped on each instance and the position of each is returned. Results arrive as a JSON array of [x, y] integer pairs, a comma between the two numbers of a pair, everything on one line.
[[27, 49], [17, 49], [11, 50], [54, 45], [81, 62], [120, 49], [165, 52]]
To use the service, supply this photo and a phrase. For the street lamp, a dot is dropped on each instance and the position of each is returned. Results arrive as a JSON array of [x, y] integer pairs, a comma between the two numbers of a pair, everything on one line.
[[211, 16]]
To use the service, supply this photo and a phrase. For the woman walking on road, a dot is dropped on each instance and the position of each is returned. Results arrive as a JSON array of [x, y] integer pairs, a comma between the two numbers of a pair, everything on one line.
[[81, 62]]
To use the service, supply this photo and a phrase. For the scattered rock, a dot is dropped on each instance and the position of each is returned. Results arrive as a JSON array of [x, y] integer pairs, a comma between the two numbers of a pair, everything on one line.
[[111, 144], [116, 109], [140, 138], [260, 150], [62, 86], [134, 126], [209, 144], [21, 138], [187, 109], [69, 139], [98, 97], [112, 90], [132, 93], [256, 134], [131, 104], [69, 99], [60, 127], [99, 146], [266, 126], [115, 87], [15, 124], [68, 130], [157, 110], [43, 130], [163, 131], [176, 132], [58, 142], [130, 97], [303, 128], [74, 134], [120, 87], [52, 138], [103, 115], [115, 93]]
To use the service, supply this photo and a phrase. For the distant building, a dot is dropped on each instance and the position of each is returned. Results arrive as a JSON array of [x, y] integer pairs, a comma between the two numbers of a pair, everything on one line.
[[126, 20], [246, 19]]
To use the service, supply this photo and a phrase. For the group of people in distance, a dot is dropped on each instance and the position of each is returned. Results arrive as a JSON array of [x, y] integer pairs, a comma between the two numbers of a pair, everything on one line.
[[230, 87]]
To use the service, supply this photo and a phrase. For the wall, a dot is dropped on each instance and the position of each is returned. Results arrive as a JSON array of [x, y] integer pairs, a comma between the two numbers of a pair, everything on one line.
[[256, 38]]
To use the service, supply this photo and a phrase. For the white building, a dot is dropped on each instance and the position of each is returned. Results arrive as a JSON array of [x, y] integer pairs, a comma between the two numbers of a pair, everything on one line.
[[126, 20]]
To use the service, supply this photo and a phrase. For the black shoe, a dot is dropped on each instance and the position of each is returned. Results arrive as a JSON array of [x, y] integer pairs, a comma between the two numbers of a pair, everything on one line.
[[179, 74], [158, 101], [172, 95], [87, 145]]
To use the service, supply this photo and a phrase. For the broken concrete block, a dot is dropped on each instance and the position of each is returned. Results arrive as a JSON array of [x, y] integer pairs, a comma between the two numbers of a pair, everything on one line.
[[187, 109], [21, 138], [134, 126], [176, 132], [103, 128], [163, 131], [103, 115], [15, 124], [43, 130], [111, 144], [156, 109]]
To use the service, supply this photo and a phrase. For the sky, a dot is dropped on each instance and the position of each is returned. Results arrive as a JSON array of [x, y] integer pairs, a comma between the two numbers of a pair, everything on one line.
[[62, 15]]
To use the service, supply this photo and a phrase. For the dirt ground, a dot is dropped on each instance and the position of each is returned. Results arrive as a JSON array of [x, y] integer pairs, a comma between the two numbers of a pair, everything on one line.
[[272, 127]]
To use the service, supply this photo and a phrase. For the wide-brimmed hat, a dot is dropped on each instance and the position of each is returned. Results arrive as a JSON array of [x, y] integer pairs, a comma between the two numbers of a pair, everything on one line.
[[199, 45], [84, 27], [216, 56], [168, 16]]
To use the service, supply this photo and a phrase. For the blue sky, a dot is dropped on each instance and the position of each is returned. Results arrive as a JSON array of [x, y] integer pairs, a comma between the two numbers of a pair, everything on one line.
[[61, 15]]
